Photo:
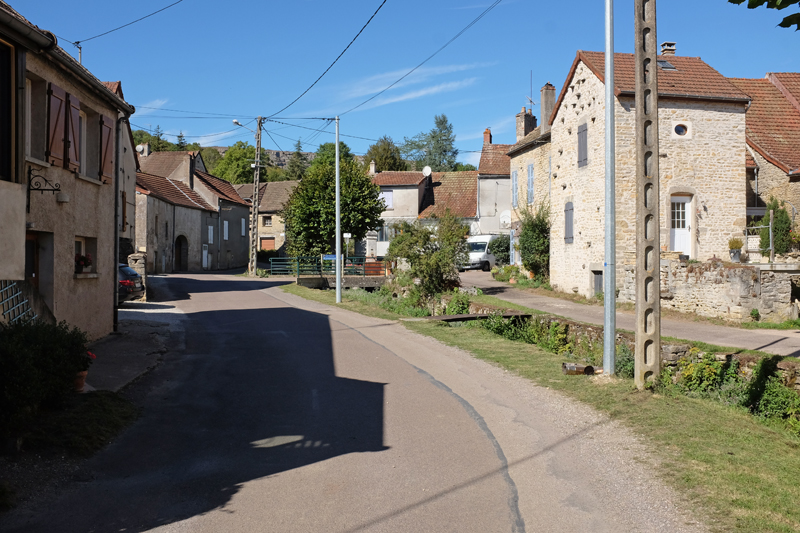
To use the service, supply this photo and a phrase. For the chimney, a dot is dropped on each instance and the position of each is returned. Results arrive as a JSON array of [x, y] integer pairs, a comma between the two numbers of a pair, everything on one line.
[[487, 136], [546, 104], [668, 48], [372, 168], [526, 123]]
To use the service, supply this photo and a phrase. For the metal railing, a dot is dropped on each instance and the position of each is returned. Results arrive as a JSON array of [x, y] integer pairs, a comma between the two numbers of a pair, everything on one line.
[[13, 303], [322, 266]]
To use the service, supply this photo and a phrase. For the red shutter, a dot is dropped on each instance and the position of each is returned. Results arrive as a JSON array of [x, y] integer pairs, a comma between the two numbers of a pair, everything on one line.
[[73, 150], [56, 129], [106, 149]]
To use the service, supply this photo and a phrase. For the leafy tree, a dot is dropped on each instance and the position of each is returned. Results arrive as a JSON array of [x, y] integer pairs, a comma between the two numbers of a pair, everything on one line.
[[534, 240], [433, 254], [298, 163], [235, 165], [386, 155], [180, 144], [435, 149], [781, 228], [274, 174], [310, 213], [460, 167], [141, 137], [211, 157], [326, 154], [788, 21], [193, 147], [500, 248]]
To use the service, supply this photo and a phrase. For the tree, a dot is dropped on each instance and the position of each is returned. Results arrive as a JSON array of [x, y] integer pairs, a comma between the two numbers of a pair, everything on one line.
[[386, 155], [433, 254], [534, 241], [310, 213], [781, 228], [788, 21], [435, 149], [274, 174], [500, 248], [180, 144], [326, 154], [158, 144], [210, 157], [461, 167], [193, 147], [298, 163], [235, 166]]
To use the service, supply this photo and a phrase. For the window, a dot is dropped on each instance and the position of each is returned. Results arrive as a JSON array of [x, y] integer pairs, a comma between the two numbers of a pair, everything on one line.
[[266, 221], [85, 252], [583, 147], [211, 235], [568, 223], [514, 187], [35, 117], [386, 196], [244, 228], [530, 184], [225, 230], [385, 233], [6, 112]]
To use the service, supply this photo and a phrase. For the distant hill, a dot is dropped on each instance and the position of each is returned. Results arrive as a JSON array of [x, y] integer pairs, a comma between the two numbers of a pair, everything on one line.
[[280, 158]]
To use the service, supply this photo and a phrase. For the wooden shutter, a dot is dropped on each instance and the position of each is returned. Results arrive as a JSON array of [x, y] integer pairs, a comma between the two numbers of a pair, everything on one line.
[[124, 211], [73, 137], [56, 129], [583, 148], [514, 189], [106, 170], [530, 184], [568, 223]]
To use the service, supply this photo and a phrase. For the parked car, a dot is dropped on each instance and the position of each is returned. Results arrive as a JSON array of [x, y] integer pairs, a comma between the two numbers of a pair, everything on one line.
[[130, 284], [479, 255]]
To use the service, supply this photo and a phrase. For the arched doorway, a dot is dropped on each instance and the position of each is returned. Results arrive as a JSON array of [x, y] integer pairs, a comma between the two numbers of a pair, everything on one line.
[[181, 254]]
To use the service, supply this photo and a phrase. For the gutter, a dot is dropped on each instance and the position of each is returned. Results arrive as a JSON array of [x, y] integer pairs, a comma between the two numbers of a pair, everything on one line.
[[27, 35], [116, 220]]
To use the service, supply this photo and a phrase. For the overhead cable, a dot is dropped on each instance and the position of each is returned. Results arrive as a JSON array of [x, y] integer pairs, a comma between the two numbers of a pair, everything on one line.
[[126, 25]]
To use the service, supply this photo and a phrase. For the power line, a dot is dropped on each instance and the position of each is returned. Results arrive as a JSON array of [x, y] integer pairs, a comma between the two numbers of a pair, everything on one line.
[[188, 136], [273, 140], [468, 26], [332, 64], [76, 43], [183, 111], [307, 128]]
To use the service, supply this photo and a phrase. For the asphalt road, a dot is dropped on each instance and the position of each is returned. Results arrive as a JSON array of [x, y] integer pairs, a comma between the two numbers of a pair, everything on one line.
[[276, 414]]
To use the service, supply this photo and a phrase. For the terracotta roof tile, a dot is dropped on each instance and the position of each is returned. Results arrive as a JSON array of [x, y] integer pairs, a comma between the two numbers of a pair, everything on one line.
[[276, 195], [692, 78], [772, 123], [457, 191], [787, 83], [749, 162], [220, 187], [172, 191], [398, 178], [495, 160], [162, 163], [531, 139]]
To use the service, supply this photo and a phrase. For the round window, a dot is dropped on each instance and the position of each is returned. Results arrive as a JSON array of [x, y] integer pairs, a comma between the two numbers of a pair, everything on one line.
[[681, 129]]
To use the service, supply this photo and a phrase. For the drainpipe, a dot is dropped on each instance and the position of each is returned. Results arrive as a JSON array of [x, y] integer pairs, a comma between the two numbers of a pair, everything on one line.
[[756, 171], [116, 220], [219, 232]]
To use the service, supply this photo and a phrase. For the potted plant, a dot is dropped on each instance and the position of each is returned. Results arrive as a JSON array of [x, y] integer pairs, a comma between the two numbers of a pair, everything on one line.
[[80, 377], [735, 246], [82, 262]]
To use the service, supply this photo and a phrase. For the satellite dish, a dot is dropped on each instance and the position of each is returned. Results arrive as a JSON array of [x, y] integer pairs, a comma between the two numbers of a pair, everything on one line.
[[140, 148], [426, 171]]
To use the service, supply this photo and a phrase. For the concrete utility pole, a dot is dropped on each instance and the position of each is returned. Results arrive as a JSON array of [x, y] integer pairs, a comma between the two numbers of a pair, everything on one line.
[[648, 241], [610, 276], [338, 262], [252, 268]]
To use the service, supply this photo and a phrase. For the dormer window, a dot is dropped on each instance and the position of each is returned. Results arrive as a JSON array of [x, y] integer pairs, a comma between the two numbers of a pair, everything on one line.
[[666, 65]]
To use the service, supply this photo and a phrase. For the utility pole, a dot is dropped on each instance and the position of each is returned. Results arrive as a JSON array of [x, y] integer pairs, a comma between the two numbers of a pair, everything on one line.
[[338, 262], [648, 241], [254, 207], [610, 277]]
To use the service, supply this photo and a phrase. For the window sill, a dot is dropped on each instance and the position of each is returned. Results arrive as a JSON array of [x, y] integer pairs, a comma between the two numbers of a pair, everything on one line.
[[85, 275], [90, 180], [37, 162]]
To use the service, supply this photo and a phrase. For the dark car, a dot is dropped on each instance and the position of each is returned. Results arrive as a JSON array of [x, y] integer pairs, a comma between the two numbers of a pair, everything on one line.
[[130, 284]]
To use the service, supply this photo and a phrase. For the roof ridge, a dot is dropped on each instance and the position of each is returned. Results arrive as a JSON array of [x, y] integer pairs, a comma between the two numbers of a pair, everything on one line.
[[182, 192]]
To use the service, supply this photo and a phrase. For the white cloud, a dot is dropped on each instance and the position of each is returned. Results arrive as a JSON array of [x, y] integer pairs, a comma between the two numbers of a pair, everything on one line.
[[151, 107], [379, 82], [472, 158], [498, 126], [412, 95]]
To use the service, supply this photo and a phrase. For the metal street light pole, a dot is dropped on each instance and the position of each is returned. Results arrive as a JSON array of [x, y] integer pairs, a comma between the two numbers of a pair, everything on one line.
[[338, 224], [610, 277]]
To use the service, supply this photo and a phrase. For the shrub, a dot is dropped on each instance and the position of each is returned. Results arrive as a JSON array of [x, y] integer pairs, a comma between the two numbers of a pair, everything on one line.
[[755, 315], [735, 243], [459, 304], [500, 248], [778, 400], [781, 228], [534, 241], [624, 362]]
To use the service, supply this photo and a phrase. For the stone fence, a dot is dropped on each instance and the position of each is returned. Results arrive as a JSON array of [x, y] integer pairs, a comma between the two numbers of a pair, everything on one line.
[[720, 290]]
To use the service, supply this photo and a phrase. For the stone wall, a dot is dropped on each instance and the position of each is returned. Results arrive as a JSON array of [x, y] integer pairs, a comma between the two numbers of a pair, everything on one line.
[[719, 290]]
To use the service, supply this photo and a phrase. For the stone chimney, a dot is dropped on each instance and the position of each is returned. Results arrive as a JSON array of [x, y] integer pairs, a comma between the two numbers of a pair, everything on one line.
[[487, 136], [526, 123], [372, 168], [546, 104], [668, 48]]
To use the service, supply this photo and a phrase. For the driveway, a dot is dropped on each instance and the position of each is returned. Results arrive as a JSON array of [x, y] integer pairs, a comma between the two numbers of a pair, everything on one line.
[[285, 415], [778, 342]]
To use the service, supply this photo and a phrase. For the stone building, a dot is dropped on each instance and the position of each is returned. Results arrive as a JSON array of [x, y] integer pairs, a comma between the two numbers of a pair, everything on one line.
[[494, 186], [273, 196], [403, 193], [60, 167], [702, 177], [773, 140], [224, 232]]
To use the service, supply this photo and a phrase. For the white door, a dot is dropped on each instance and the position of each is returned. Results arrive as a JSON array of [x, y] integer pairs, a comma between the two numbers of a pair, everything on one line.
[[680, 228], [205, 257]]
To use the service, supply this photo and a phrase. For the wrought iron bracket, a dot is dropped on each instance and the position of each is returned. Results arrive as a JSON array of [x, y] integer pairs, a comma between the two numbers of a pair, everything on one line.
[[37, 182]]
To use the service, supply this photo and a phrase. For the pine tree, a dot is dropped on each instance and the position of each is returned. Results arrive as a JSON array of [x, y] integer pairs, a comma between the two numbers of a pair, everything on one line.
[[180, 145], [298, 163], [386, 155]]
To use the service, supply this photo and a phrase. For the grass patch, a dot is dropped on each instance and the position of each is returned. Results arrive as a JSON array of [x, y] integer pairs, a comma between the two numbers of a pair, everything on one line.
[[739, 471], [789, 324], [83, 426]]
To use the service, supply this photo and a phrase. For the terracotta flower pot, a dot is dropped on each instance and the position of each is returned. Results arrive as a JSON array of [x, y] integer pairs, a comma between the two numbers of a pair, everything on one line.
[[80, 381]]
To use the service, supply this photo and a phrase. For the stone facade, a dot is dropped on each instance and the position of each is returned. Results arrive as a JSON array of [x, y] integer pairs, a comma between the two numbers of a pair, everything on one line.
[[705, 167], [772, 183]]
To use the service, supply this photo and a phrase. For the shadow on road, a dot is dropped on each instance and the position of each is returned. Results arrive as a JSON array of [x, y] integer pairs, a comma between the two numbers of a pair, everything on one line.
[[254, 395]]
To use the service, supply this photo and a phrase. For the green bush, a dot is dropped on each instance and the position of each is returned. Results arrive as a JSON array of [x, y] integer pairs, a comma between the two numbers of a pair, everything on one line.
[[624, 362], [39, 362], [500, 248], [778, 400], [534, 241], [781, 228], [458, 305], [755, 315]]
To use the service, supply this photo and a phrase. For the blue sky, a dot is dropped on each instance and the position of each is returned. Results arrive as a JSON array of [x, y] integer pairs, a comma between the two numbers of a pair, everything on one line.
[[251, 58]]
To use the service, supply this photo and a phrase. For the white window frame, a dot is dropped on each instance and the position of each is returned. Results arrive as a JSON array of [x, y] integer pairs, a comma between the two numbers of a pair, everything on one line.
[[266, 221], [530, 184], [211, 235], [514, 191]]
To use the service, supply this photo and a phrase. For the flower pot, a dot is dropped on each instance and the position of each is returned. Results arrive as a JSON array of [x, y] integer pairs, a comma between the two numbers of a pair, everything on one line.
[[80, 381], [512, 281], [736, 255]]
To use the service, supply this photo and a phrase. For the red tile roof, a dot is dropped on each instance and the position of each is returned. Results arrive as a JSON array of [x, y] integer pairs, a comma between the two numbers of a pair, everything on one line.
[[163, 163], [532, 139], [220, 187], [494, 159], [397, 178], [172, 191], [788, 83], [772, 124], [692, 78], [457, 191]]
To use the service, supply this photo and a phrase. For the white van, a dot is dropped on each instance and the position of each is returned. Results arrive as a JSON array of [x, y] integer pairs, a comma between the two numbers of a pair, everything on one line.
[[479, 255]]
